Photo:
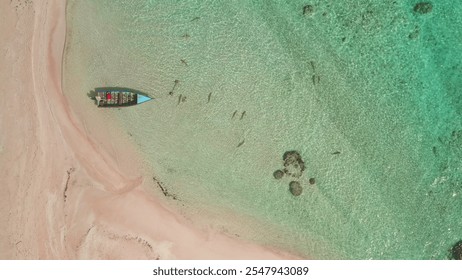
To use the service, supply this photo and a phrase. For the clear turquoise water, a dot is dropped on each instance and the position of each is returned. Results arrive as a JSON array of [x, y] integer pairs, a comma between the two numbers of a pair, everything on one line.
[[389, 103]]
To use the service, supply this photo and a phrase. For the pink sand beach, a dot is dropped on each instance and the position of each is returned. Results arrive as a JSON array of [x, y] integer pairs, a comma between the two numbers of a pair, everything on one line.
[[63, 195]]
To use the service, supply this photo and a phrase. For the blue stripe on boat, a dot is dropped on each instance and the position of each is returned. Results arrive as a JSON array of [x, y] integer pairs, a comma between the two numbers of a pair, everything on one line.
[[141, 98]]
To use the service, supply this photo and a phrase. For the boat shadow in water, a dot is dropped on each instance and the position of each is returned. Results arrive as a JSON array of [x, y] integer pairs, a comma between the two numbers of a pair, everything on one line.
[[92, 95]]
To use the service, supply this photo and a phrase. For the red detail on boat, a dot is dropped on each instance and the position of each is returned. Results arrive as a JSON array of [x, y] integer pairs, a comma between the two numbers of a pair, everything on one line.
[[108, 95]]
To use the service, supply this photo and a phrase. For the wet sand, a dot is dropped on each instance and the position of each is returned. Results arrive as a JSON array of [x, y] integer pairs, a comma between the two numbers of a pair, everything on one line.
[[64, 195]]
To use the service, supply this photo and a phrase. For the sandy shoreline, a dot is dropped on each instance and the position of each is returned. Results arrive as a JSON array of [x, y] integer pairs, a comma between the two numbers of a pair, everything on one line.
[[63, 196]]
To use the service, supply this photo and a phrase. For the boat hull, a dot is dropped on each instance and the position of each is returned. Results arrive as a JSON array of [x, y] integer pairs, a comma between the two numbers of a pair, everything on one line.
[[119, 98]]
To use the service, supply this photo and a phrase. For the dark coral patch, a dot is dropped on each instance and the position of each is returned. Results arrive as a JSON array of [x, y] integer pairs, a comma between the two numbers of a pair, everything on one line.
[[295, 188], [308, 10], [278, 174], [293, 164], [456, 251], [423, 7]]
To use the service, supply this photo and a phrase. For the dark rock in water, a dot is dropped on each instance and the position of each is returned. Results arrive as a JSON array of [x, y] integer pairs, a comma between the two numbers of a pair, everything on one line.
[[295, 188], [308, 10], [456, 251], [312, 181], [423, 7], [278, 174], [293, 164], [291, 156]]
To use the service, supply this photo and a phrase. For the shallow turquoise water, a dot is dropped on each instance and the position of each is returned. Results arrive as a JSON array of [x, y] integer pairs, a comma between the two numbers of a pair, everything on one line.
[[376, 82]]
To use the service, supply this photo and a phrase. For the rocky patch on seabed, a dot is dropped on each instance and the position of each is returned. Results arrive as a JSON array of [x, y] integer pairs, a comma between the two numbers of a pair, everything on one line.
[[293, 166]]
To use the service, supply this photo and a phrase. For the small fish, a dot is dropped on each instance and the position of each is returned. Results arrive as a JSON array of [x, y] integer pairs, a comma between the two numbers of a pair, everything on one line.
[[435, 152], [312, 65], [184, 62], [183, 99], [241, 143], [179, 99], [208, 98], [176, 82], [242, 116], [336, 153], [186, 36], [196, 18], [316, 79], [234, 114]]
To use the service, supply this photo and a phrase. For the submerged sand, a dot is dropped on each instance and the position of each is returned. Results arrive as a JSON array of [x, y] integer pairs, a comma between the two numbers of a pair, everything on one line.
[[64, 194]]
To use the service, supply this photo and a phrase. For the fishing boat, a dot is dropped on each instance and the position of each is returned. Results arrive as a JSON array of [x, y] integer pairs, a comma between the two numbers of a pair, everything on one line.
[[118, 97]]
